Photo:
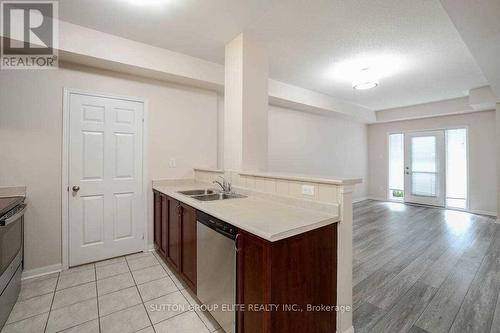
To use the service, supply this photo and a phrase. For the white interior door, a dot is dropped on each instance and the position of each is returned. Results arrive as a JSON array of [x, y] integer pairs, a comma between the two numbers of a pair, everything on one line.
[[425, 168], [105, 195]]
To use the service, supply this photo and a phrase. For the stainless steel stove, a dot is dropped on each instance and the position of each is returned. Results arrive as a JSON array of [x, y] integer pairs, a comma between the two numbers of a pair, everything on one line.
[[11, 253]]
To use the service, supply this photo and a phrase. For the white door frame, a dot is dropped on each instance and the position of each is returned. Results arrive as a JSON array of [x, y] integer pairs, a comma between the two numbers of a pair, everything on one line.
[[65, 165], [426, 129]]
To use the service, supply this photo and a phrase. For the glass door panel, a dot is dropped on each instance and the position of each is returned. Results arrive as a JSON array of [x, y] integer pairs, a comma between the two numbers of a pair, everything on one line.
[[424, 168]]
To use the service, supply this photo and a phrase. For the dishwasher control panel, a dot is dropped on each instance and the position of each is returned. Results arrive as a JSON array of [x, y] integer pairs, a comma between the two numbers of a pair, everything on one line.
[[218, 225]]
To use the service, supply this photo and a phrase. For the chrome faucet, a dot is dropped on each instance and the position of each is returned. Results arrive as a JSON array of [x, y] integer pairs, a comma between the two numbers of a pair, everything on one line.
[[224, 185]]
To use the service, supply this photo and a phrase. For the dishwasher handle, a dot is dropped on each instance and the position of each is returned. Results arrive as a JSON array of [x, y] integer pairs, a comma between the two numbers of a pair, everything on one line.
[[236, 243], [227, 234]]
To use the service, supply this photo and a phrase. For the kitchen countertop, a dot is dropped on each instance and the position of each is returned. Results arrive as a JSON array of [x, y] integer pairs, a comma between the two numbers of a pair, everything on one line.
[[12, 191], [268, 219]]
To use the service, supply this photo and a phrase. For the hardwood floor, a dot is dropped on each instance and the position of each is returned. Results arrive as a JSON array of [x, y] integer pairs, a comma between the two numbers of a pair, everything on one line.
[[420, 269]]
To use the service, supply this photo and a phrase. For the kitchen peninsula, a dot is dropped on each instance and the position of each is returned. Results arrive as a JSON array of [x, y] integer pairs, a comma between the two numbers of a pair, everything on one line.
[[288, 271]]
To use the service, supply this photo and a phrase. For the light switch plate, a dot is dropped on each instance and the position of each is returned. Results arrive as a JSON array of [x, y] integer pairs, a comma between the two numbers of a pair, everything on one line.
[[308, 190], [172, 163]]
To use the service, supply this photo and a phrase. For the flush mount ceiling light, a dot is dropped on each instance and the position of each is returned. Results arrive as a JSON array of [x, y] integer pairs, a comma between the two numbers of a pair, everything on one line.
[[366, 71], [147, 2], [367, 79]]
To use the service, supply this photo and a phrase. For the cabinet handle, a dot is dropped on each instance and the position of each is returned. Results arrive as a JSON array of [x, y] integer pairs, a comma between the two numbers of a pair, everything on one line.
[[236, 243]]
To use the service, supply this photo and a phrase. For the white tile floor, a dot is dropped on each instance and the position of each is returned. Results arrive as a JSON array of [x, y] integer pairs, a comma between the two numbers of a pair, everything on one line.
[[126, 294]]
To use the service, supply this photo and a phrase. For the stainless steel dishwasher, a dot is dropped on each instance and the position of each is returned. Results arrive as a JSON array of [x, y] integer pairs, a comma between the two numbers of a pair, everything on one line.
[[216, 269]]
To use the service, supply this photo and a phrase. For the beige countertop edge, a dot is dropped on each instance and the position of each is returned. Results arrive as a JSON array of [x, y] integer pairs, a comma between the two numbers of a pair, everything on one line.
[[12, 191], [171, 190], [209, 170], [298, 231], [304, 178]]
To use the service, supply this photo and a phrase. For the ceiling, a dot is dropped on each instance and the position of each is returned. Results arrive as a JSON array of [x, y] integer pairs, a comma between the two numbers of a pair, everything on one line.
[[306, 39]]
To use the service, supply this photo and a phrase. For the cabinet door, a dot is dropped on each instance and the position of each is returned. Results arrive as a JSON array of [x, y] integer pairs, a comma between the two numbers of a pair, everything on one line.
[[188, 245], [253, 282], [173, 232], [157, 219], [164, 224]]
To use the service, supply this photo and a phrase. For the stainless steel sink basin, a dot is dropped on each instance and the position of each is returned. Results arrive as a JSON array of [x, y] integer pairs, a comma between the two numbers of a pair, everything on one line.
[[197, 192], [218, 196]]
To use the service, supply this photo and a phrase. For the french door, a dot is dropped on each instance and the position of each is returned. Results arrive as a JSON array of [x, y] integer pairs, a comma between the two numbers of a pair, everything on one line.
[[105, 193], [424, 172]]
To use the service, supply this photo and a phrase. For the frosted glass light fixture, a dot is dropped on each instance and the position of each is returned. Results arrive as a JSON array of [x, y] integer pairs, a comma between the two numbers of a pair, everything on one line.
[[147, 2], [365, 71], [366, 79]]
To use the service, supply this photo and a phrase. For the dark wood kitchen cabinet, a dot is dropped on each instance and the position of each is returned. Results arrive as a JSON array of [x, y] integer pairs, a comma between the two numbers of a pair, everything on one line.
[[160, 222], [157, 220], [165, 209], [188, 245], [175, 236], [291, 273], [174, 227]]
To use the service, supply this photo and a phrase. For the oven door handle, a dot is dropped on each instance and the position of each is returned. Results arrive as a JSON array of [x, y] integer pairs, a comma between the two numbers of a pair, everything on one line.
[[14, 217]]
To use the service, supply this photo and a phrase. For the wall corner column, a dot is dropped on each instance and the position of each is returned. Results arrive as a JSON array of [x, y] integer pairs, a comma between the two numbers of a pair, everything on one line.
[[344, 259], [246, 104], [498, 160]]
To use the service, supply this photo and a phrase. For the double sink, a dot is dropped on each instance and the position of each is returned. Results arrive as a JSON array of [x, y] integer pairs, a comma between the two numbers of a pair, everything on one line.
[[210, 195]]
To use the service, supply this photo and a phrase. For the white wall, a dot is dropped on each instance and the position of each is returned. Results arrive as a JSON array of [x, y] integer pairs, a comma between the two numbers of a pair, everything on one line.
[[482, 154], [182, 125], [313, 144]]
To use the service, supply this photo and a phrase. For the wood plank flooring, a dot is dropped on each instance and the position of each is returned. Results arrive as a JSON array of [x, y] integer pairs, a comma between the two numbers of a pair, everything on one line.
[[419, 269]]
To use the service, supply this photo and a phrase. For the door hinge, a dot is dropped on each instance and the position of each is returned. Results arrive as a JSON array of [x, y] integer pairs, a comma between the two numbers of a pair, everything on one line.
[[143, 236]]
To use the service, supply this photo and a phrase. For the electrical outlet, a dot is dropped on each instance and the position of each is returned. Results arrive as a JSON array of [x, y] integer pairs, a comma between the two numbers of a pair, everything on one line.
[[308, 190], [172, 163]]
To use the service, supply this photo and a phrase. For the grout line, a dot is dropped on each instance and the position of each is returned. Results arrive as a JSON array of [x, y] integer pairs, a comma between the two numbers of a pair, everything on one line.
[[76, 285], [163, 277], [196, 312], [85, 322], [178, 314], [27, 299], [14, 322], [110, 276], [140, 296], [97, 300], [52, 303], [153, 299], [139, 269], [112, 313], [180, 290]]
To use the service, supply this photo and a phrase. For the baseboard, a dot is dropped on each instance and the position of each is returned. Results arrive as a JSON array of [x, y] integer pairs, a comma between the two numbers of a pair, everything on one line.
[[472, 211], [482, 212], [376, 198], [368, 198], [359, 199], [41, 271], [349, 330]]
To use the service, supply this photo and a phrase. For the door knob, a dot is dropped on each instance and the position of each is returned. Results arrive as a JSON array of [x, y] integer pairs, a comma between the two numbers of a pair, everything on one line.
[[76, 188]]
